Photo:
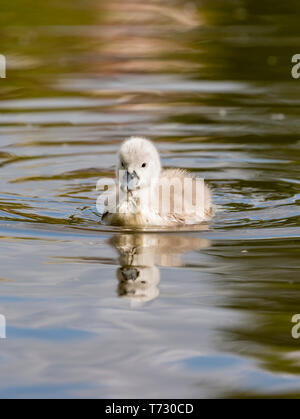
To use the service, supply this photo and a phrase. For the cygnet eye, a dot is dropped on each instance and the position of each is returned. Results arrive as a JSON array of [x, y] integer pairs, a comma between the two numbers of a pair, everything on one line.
[[122, 164], [144, 165]]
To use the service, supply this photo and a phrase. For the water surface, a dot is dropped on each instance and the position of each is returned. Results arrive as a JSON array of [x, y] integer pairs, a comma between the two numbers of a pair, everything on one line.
[[95, 311]]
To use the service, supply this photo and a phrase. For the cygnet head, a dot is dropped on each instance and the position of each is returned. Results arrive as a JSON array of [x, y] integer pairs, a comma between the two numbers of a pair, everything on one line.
[[138, 164]]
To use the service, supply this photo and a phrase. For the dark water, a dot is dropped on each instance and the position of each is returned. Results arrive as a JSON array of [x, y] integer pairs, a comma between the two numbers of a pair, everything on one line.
[[209, 314]]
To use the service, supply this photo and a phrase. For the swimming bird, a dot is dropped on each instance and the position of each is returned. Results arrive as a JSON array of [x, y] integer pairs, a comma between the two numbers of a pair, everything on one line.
[[149, 195]]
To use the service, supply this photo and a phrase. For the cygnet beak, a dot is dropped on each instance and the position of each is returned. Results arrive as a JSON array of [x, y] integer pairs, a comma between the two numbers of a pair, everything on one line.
[[132, 181]]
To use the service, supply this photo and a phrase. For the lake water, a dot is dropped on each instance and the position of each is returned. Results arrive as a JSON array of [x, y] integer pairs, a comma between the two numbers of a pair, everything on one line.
[[210, 313]]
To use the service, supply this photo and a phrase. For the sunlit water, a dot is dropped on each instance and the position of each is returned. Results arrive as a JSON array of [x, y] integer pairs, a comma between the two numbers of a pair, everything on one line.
[[95, 311]]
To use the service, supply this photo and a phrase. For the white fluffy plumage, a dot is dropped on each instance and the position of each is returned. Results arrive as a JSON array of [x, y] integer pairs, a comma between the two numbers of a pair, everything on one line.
[[143, 201]]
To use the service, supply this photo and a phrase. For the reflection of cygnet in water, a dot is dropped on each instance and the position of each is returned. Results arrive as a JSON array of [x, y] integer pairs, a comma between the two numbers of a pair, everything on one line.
[[138, 275], [138, 283]]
